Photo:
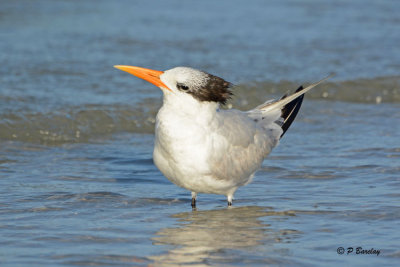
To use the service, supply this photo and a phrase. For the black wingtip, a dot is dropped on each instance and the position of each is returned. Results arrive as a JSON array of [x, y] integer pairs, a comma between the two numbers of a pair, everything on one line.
[[290, 110]]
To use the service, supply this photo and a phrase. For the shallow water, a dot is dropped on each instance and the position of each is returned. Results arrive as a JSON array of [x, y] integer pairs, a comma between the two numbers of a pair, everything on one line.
[[77, 182]]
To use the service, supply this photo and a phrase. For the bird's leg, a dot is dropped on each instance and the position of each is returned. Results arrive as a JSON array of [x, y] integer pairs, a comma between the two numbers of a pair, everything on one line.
[[229, 201], [194, 195]]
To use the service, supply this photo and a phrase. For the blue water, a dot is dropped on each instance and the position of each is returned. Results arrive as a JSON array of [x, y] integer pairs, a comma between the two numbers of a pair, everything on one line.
[[78, 186]]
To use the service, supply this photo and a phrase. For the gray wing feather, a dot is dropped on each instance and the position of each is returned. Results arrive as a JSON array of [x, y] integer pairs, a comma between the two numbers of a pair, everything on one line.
[[240, 146]]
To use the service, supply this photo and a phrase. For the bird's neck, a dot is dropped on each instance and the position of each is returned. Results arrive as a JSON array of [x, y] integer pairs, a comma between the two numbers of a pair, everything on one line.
[[186, 106]]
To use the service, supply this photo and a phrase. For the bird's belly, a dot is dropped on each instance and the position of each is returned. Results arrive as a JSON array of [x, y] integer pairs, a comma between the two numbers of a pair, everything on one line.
[[189, 168]]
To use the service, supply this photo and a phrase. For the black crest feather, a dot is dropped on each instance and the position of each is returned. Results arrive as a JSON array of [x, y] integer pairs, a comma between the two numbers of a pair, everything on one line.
[[215, 90]]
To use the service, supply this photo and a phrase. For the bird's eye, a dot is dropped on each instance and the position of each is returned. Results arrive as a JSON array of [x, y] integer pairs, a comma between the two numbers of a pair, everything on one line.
[[181, 86]]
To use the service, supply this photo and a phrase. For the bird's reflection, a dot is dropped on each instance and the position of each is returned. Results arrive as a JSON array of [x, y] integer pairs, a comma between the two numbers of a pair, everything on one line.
[[215, 235]]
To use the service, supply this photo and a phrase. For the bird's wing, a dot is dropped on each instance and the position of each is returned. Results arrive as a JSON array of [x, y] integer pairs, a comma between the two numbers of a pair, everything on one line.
[[238, 147]]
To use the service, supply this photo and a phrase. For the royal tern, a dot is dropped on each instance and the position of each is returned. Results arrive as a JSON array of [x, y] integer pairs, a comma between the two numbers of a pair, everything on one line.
[[203, 148]]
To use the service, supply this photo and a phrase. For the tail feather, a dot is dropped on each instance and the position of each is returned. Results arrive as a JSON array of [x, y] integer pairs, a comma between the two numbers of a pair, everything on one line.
[[290, 110], [283, 111], [282, 102]]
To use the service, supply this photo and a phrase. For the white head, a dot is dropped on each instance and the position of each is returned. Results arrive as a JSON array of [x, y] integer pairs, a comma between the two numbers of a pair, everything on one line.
[[182, 82]]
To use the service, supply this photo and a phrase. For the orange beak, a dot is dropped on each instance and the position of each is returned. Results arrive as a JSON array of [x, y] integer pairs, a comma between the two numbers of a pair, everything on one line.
[[152, 76]]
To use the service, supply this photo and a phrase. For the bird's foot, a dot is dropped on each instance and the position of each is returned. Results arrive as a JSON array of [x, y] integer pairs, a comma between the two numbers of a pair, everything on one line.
[[229, 200], [194, 195]]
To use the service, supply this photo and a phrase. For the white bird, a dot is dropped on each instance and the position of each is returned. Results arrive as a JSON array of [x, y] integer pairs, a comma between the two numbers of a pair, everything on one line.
[[203, 148]]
